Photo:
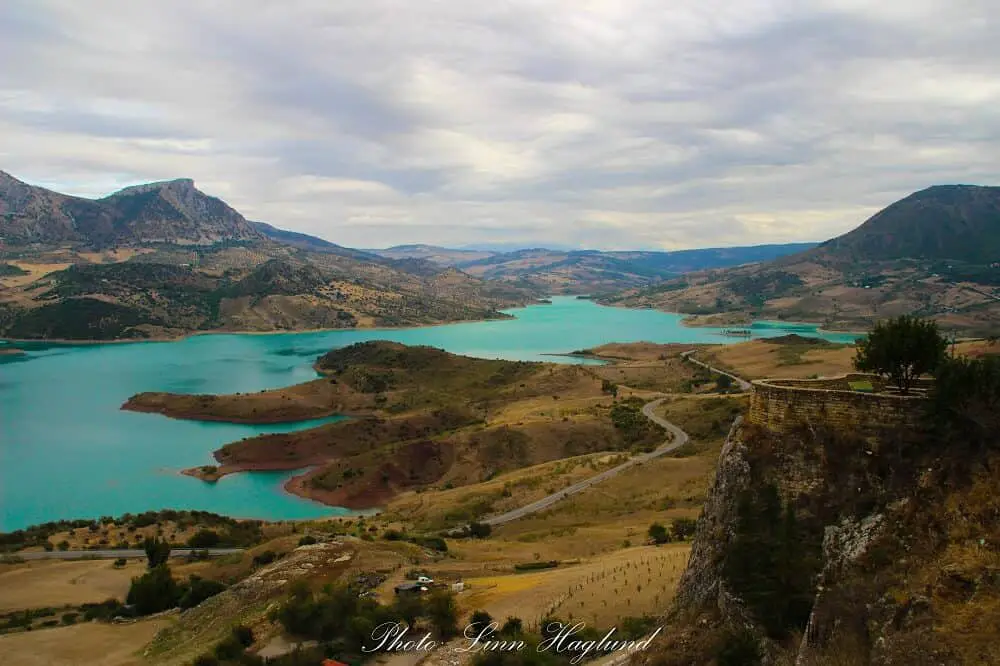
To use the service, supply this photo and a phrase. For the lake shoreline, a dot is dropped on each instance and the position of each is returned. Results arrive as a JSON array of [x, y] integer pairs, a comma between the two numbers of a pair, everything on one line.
[[194, 334]]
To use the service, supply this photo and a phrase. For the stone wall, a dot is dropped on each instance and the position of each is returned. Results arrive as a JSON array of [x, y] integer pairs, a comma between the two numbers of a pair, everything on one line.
[[781, 405]]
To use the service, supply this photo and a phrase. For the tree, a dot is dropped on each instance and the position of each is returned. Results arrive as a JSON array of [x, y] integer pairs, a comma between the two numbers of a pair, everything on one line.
[[965, 402], [901, 349], [157, 551], [409, 607], [204, 539], [443, 613], [658, 533], [154, 591], [480, 530]]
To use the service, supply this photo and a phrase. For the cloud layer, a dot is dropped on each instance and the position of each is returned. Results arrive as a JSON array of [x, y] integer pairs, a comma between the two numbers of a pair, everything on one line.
[[593, 123]]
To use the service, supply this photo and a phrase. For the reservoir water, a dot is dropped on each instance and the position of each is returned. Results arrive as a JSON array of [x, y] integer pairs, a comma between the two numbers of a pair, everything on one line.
[[68, 451]]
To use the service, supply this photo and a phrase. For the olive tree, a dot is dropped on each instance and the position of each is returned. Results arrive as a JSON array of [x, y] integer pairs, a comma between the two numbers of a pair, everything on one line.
[[901, 350]]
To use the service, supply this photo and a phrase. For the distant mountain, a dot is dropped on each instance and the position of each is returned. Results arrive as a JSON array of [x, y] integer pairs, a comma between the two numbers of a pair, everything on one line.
[[307, 242], [935, 253], [580, 271], [172, 211], [960, 222], [442, 256], [165, 259]]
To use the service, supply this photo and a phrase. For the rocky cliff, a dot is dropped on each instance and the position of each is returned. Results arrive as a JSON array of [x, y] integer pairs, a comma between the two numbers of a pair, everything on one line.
[[875, 549]]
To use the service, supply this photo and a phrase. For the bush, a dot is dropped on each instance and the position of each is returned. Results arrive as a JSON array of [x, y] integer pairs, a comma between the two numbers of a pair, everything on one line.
[[443, 613], [154, 591], [198, 590], [266, 557], [480, 620], [204, 539], [480, 530], [512, 626], [738, 648], [307, 540], [658, 533], [434, 543], [535, 566], [157, 551], [70, 618]]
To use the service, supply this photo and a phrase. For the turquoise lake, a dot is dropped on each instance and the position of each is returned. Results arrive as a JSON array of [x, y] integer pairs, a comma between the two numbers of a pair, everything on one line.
[[68, 451]]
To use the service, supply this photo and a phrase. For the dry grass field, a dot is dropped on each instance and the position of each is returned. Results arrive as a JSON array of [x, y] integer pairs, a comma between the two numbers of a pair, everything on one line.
[[758, 359], [601, 591], [92, 644], [53, 583]]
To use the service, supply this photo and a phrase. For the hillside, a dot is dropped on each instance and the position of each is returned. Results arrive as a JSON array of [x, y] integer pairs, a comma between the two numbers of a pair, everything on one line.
[[164, 259], [587, 271], [935, 253], [824, 543], [423, 416], [168, 211]]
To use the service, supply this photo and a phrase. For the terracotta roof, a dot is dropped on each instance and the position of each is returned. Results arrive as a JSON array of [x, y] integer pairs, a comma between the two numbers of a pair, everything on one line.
[[333, 662]]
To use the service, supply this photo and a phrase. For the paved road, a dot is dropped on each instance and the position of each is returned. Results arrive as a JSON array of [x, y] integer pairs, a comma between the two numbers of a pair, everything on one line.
[[115, 554], [680, 438], [688, 356]]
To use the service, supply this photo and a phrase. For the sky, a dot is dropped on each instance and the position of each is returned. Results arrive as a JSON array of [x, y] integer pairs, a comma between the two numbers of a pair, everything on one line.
[[617, 124]]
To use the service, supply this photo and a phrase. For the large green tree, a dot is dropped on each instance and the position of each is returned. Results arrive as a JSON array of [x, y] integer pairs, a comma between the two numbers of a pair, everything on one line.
[[901, 350]]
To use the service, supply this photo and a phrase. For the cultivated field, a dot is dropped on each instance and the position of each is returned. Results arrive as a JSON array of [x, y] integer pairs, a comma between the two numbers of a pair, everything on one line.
[[601, 592]]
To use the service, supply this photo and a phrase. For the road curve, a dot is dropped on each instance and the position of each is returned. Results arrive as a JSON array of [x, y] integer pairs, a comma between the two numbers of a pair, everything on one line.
[[679, 439], [742, 383], [115, 554]]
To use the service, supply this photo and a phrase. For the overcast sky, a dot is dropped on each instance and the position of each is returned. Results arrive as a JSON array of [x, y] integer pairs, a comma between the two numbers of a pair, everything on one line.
[[593, 123]]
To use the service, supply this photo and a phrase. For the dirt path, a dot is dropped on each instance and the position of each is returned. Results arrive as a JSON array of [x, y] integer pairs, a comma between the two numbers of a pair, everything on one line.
[[688, 356]]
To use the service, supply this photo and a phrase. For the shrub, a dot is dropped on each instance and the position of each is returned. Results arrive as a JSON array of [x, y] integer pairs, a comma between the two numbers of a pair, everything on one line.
[[157, 551], [534, 566], [198, 590], [479, 620], [204, 539], [307, 540], [658, 533], [512, 626], [738, 648], [480, 530], [443, 613], [154, 591], [265, 557], [70, 618]]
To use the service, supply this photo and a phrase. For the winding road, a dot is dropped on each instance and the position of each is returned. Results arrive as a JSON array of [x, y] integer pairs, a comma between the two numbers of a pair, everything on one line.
[[742, 383], [679, 438]]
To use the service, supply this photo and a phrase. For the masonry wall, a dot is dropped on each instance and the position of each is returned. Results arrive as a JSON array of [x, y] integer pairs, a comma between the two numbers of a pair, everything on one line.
[[781, 405]]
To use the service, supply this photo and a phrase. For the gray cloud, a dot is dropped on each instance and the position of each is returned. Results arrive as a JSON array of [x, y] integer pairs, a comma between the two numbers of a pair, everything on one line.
[[624, 124]]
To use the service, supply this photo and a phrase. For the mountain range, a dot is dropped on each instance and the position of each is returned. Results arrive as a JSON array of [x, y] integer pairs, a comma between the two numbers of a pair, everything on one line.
[[557, 271], [935, 253], [164, 259]]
